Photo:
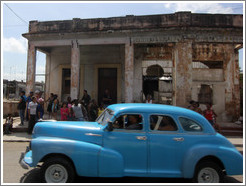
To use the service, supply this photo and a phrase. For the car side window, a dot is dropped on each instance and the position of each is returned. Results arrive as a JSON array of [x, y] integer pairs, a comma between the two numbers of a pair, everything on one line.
[[162, 123], [190, 125], [129, 122]]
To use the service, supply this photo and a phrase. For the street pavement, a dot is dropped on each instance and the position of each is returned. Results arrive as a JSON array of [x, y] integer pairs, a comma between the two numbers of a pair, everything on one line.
[[16, 143]]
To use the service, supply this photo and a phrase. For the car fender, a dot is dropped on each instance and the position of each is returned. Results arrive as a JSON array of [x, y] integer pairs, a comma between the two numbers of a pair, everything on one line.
[[110, 163], [230, 158], [84, 155]]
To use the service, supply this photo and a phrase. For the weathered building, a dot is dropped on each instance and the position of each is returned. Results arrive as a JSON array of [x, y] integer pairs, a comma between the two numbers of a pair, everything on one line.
[[12, 89], [175, 57]]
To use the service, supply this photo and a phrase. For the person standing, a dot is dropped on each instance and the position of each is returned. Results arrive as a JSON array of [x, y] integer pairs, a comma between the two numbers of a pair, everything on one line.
[[64, 112], [40, 109], [93, 110], [37, 93], [84, 111], [77, 111], [107, 99], [70, 116], [50, 102], [197, 108], [209, 114], [28, 100], [55, 106], [86, 99], [22, 107], [32, 110]]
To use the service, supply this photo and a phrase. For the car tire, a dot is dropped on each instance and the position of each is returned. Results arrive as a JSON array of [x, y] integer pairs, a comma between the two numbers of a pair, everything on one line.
[[57, 170], [208, 172]]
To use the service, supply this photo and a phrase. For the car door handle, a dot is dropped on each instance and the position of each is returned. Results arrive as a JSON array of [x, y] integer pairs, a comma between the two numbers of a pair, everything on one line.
[[141, 137], [178, 139]]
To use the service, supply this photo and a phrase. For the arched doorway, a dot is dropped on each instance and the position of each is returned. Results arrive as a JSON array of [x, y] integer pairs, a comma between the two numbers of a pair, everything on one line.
[[151, 80]]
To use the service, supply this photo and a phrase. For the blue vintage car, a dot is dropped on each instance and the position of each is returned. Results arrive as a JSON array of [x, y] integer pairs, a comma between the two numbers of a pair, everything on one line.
[[140, 140]]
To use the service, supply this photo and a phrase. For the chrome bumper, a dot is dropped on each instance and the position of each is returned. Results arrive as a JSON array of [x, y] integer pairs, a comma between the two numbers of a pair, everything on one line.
[[21, 160]]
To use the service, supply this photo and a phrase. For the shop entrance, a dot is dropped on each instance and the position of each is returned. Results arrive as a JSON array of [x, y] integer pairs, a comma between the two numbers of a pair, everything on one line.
[[107, 79]]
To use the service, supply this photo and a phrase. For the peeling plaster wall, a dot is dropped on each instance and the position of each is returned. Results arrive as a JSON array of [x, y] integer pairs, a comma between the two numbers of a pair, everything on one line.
[[226, 95], [183, 73], [216, 75]]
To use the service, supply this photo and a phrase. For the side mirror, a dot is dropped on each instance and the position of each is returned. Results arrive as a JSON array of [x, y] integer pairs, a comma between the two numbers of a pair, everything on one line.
[[110, 126]]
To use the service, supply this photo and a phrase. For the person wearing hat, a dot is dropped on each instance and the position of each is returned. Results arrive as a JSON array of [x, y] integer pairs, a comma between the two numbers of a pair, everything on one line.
[[28, 100]]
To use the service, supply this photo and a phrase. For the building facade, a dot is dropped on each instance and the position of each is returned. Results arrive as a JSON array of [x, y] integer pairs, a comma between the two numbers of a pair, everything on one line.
[[12, 89], [173, 57]]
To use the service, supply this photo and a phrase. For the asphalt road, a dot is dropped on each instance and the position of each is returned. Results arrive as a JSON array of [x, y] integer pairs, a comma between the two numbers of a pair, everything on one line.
[[14, 173]]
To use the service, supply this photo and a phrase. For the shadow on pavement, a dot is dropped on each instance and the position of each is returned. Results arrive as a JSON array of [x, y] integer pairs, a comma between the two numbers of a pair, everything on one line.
[[33, 176], [231, 180]]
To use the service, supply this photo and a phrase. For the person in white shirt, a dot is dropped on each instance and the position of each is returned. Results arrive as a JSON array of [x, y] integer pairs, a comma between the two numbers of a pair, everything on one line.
[[78, 111], [32, 109]]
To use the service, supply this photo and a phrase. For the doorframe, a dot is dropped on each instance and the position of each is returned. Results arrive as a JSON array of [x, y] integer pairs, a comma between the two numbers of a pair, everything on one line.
[[118, 67], [81, 79]]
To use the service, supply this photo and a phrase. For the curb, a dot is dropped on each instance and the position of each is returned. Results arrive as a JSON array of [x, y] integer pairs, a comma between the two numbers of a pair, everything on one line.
[[17, 140]]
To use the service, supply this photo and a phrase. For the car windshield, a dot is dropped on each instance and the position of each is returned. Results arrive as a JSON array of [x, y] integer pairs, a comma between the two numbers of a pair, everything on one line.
[[105, 117]]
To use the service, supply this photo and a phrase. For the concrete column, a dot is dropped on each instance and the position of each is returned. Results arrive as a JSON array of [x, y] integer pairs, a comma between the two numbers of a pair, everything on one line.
[[182, 73], [31, 68], [129, 69], [236, 95], [231, 75], [75, 70], [47, 77]]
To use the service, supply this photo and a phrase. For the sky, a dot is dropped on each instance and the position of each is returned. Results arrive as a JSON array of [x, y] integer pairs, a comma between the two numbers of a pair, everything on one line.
[[16, 17]]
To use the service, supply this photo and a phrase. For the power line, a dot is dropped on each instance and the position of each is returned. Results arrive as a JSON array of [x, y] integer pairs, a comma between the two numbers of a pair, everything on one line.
[[16, 14]]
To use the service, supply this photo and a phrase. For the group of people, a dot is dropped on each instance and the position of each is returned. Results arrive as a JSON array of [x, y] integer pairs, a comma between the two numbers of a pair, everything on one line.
[[85, 109], [31, 109], [208, 113]]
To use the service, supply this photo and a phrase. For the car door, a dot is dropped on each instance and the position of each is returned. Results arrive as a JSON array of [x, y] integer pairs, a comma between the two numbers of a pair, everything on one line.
[[165, 146], [130, 142]]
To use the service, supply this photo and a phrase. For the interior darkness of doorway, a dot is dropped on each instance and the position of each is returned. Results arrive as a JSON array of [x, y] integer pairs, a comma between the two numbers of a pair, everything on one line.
[[150, 84]]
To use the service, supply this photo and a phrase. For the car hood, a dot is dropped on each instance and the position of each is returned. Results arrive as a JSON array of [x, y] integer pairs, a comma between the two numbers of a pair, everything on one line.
[[74, 130]]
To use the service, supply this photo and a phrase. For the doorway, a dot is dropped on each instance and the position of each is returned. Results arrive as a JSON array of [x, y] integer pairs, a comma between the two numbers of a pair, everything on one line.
[[151, 81], [107, 79], [150, 85], [66, 83]]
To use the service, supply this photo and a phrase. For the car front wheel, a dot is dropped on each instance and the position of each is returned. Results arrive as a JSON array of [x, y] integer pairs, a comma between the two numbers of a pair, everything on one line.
[[208, 172], [57, 170]]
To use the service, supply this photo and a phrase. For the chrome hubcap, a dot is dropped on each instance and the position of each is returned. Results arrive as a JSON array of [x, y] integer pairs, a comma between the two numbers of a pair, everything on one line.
[[208, 175], [56, 174]]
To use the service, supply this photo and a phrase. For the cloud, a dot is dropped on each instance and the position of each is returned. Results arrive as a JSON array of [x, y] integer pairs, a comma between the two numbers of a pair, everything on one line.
[[199, 7], [15, 45]]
